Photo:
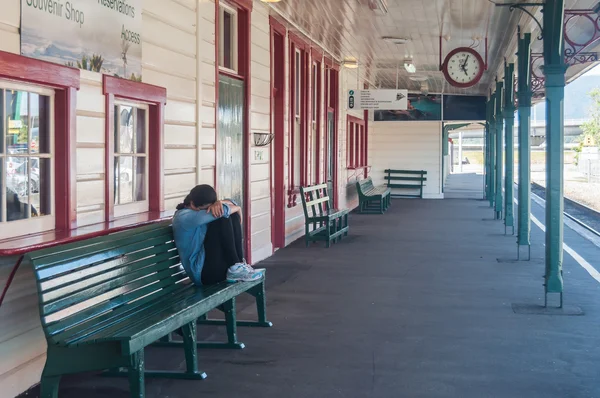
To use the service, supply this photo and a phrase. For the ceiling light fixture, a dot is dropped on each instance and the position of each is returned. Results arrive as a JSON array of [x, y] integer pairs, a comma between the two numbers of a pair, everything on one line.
[[350, 64], [395, 40], [409, 66], [419, 78]]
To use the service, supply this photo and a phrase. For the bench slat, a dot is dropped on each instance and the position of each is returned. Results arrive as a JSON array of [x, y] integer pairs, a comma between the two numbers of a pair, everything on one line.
[[394, 178], [112, 288], [61, 262], [116, 265], [317, 201], [406, 171], [82, 320], [404, 186], [139, 267]]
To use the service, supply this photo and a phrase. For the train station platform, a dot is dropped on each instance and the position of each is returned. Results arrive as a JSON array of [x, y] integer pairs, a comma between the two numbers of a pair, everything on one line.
[[414, 303]]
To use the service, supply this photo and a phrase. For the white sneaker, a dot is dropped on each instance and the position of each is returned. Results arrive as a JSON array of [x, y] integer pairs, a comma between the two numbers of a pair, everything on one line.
[[241, 272]]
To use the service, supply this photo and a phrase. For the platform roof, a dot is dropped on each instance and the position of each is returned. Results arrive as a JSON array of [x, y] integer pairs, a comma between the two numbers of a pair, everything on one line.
[[353, 29]]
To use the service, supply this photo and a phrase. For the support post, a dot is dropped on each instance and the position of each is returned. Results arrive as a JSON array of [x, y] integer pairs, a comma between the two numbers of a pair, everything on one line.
[[460, 154], [524, 94], [499, 122], [492, 123], [509, 117], [554, 71], [488, 138]]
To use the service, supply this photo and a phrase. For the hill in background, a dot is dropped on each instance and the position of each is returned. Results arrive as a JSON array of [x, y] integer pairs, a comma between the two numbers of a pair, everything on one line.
[[577, 100]]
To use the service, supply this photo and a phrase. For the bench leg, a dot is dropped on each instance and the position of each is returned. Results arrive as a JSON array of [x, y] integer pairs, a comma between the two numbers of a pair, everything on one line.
[[231, 325], [136, 375], [49, 386], [258, 292], [191, 350], [346, 224]]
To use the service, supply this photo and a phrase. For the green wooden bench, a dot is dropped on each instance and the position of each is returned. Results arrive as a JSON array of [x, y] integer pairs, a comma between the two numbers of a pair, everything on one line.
[[103, 300], [372, 199], [328, 225], [406, 179]]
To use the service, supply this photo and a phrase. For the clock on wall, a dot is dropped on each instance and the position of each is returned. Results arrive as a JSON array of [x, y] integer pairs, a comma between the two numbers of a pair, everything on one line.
[[463, 67]]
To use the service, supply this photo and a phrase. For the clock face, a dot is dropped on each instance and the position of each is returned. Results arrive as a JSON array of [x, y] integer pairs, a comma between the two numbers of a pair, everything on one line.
[[463, 68]]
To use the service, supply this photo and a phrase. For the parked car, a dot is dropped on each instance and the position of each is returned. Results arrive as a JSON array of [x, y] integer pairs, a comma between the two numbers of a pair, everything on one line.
[[17, 179]]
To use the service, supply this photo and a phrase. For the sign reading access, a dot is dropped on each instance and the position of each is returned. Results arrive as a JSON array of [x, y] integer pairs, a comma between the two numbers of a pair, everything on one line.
[[378, 99], [97, 35]]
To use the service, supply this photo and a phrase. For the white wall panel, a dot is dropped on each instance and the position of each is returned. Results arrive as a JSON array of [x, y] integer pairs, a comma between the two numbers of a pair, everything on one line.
[[407, 146], [90, 129], [180, 159]]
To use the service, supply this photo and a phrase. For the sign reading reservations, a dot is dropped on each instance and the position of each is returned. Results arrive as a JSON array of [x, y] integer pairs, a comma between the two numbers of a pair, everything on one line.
[[378, 99], [98, 35]]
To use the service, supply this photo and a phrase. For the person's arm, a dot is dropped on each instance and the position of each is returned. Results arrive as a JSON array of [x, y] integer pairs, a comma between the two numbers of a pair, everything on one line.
[[216, 208], [202, 217]]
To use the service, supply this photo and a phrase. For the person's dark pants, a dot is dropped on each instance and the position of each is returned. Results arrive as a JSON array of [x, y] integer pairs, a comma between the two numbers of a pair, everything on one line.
[[223, 248]]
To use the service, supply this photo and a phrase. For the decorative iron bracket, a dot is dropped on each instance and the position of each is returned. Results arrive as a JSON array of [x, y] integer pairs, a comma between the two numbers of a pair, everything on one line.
[[537, 80], [572, 48], [523, 7]]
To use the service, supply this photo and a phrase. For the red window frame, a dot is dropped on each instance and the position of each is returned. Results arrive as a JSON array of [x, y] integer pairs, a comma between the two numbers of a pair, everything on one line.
[[356, 134], [156, 98], [296, 43], [65, 81]]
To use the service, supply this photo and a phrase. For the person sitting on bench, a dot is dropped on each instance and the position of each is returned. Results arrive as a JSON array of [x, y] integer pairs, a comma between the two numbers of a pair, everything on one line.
[[208, 236]]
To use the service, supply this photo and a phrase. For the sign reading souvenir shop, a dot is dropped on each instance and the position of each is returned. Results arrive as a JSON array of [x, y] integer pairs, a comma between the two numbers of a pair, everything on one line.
[[378, 99], [102, 36]]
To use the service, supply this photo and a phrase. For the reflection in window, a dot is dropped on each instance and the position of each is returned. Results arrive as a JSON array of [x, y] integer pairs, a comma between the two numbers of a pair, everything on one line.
[[228, 38], [130, 157], [25, 155]]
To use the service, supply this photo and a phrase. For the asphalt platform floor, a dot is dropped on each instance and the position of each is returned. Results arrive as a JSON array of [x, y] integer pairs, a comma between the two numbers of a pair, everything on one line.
[[414, 303]]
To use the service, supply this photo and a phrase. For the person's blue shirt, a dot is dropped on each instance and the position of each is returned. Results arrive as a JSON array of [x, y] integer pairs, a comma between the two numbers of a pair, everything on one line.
[[189, 229]]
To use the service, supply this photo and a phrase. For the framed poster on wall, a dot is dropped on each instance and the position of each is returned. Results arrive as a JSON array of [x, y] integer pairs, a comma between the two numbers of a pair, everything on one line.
[[102, 36], [420, 107], [464, 107]]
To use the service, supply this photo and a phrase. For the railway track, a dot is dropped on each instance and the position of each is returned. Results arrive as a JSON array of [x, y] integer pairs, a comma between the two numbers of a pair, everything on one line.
[[581, 214]]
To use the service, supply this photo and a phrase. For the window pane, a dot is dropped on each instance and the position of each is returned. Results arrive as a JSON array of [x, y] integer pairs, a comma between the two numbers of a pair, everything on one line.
[[40, 187], [140, 131], [16, 115], [227, 40], [126, 129], [117, 185], [140, 179], [125, 179], [17, 191], [40, 123], [314, 93], [116, 128], [297, 152], [298, 85], [314, 153]]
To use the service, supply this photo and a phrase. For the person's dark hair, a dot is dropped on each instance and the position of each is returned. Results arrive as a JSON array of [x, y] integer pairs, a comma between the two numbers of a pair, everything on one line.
[[184, 204], [201, 195]]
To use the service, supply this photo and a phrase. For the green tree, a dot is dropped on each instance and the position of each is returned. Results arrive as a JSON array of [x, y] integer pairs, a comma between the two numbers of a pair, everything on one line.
[[591, 127]]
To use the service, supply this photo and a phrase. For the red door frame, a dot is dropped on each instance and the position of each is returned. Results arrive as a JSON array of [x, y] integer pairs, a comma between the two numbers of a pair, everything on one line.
[[66, 82], [278, 35], [244, 13]]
